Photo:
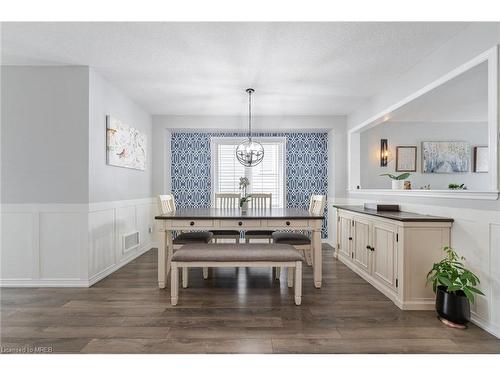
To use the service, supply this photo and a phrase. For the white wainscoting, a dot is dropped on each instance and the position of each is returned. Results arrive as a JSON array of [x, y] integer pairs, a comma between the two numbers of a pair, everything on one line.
[[70, 245], [476, 236], [108, 222]]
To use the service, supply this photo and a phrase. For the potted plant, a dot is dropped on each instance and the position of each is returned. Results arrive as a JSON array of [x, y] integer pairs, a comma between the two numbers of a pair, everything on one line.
[[457, 187], [455, 287], [244, 183], [397, 181]]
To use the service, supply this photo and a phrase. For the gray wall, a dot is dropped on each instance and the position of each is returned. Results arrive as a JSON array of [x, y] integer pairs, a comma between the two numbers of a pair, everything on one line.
[[109, 183], [44, 134], [412, 134]]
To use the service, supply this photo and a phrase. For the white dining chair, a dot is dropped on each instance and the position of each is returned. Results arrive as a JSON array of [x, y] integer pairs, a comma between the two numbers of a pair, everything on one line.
[[230, 201], [167, 207], [299, 240], [259, 201]]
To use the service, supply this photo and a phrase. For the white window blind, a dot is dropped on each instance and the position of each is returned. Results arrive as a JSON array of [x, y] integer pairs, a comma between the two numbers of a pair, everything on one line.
[[266, 177]]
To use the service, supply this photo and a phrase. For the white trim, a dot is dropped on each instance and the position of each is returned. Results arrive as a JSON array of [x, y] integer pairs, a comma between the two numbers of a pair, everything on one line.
[[37, 283], [491, 57], [454, 194], [99, 206], [489, 327]]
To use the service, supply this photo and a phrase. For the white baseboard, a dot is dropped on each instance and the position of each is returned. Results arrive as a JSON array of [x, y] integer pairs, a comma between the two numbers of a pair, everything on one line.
[[487, 326], [43, 283]]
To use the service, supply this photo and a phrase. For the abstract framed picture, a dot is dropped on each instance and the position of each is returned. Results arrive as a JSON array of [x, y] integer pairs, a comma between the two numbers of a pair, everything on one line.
[[446, 157], [481, 159], [125, 146], [406, 158]]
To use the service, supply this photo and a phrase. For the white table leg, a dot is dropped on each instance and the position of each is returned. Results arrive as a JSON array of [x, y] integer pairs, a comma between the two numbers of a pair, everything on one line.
[[317, 257], [298, 283], [174, 285], [162, 257]]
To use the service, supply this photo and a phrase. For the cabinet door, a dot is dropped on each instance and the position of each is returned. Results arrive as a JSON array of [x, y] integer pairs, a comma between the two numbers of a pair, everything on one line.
[[384, 257], [344, 235], [361, 242]]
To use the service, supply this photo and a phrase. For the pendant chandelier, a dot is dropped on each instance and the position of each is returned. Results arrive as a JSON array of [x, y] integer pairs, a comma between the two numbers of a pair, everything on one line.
[[249, 152]]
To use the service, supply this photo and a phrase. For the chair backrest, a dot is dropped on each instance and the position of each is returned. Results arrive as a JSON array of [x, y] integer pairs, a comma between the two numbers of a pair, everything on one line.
[[261, 200], [167, 204], [227, 200], [317, 204]]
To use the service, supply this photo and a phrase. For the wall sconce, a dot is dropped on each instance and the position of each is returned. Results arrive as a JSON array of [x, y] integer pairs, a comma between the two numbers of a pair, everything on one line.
[[384, 152]]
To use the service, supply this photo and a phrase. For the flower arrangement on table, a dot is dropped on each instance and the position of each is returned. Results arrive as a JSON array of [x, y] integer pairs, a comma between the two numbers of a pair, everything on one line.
[[244, 183]]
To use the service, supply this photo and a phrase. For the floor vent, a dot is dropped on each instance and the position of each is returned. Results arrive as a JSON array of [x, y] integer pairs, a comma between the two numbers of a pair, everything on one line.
[[130, 241]]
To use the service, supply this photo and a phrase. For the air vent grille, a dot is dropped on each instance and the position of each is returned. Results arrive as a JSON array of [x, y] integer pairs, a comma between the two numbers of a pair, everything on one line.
[[130, 241]]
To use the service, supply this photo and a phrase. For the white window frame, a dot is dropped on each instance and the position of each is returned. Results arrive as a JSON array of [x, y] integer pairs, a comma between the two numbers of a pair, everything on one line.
[[214, 141]]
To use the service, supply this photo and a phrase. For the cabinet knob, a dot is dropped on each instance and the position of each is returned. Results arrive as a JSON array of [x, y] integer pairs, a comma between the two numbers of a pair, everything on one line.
[[240, 223], [350, 238], [368, 247], [191, 223], [287, 223]]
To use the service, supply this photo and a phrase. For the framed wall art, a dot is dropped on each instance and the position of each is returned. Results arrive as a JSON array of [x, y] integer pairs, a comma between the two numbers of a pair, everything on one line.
[[406, 158]]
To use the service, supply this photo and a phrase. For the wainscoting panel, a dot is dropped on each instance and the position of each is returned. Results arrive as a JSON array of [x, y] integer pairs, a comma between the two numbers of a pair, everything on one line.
[[102, 241], [109, 222], [18, 248], [44, 245], [68, 245], [61, 240]]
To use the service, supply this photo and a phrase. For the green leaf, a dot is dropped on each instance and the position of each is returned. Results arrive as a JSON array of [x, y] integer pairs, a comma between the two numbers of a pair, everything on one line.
[[469, 295], [475, 290]]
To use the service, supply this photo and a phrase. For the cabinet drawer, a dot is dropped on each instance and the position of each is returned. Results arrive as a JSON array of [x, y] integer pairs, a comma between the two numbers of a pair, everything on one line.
[[288, 223], [240, 223], [192, 223]]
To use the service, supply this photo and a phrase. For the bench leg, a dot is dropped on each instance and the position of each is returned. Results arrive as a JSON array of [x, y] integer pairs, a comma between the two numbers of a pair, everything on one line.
[[205, 273], [298, 283], [289, 276], [277, 273], [174, 283], [308, 256], [185, 277]]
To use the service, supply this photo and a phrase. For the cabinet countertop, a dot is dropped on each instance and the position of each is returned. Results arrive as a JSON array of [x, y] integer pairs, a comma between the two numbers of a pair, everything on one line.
[[395, 215]]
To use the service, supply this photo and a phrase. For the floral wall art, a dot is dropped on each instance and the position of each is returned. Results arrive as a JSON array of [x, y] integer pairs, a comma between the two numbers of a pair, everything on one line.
[[446, 157], [125, 146]]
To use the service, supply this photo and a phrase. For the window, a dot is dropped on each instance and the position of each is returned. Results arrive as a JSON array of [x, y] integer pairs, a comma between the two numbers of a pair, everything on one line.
[[266, 177]]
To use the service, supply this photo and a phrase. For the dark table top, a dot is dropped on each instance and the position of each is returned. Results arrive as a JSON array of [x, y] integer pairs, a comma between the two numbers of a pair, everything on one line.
[[395, 215], [221, 213]]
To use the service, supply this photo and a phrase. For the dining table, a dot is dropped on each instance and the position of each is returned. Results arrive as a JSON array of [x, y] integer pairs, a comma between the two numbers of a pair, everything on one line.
[[207, 219]]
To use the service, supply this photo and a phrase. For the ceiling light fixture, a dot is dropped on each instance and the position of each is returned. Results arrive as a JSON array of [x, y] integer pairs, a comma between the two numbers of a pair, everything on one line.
[[249, 152]]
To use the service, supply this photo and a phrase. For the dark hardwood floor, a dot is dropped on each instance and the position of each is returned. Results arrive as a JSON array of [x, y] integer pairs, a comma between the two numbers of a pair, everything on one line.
[[235, 311]]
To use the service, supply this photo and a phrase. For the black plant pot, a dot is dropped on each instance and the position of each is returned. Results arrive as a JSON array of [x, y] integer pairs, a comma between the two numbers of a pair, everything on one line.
[[453, 307]]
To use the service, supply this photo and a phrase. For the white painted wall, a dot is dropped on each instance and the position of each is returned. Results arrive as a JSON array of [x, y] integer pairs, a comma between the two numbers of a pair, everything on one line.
[[110, 183], [44, 134], [412, 134], [476, 231]]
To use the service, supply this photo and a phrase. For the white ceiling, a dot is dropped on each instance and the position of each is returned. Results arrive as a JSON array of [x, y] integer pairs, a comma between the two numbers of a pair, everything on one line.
[[203, 68], [462, 99]]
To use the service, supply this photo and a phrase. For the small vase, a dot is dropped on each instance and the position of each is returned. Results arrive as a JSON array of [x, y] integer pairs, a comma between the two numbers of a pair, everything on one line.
[[398, 184], [244, 207]]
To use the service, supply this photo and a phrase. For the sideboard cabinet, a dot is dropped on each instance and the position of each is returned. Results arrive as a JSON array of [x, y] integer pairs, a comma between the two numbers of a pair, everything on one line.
[[393, 251]]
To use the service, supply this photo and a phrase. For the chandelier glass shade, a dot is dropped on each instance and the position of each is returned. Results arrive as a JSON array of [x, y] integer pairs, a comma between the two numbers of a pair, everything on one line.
[[250, 152]]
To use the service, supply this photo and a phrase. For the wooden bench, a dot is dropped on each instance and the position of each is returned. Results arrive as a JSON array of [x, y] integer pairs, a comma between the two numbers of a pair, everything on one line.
[[237, 255]]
